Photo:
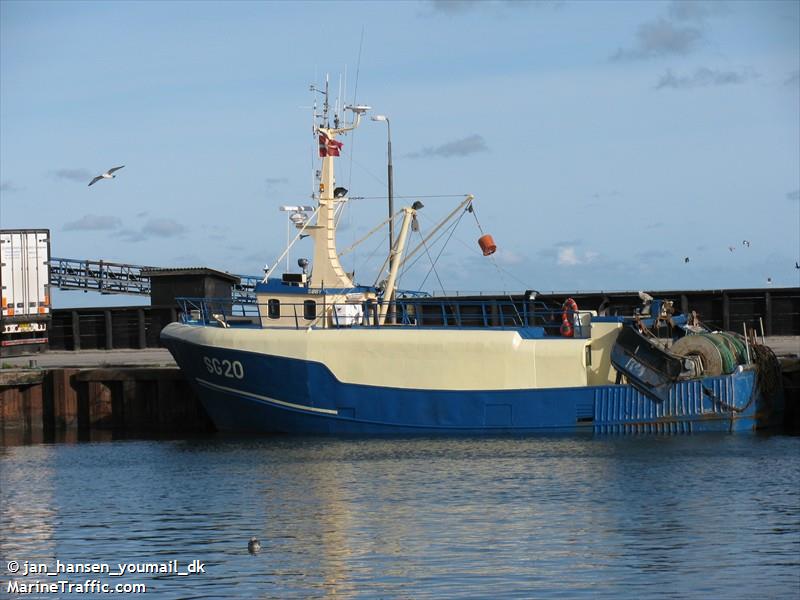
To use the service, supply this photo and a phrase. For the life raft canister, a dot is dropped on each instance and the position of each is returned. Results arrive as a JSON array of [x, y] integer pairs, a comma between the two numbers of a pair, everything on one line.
[[568, 310], [487, 244]]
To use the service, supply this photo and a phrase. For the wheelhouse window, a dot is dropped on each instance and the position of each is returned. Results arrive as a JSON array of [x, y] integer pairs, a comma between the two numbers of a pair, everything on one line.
[[309, 310], [274, 308]]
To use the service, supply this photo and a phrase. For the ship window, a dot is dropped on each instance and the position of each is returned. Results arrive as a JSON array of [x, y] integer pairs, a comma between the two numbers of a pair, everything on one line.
[[309, 310], [274, 308]]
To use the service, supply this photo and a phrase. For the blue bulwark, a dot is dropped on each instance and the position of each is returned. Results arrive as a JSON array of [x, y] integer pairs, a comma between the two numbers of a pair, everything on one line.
[[278, 286]]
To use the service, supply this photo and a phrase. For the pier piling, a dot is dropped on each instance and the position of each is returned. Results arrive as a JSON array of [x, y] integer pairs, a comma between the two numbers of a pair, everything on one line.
[[37, 403]]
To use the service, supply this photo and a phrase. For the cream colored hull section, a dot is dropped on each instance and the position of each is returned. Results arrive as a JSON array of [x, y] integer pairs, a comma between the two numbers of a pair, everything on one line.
[[459, 359]]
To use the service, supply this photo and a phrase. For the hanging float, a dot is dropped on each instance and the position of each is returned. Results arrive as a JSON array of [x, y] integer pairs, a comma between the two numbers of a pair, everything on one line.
[[487, 244]]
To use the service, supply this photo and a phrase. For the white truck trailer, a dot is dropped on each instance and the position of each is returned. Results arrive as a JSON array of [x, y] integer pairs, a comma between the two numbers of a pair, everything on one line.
[[25, 281]]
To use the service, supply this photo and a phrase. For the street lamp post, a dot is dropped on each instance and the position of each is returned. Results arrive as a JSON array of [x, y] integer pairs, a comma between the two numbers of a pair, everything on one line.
[[391, 199], [391, 184]]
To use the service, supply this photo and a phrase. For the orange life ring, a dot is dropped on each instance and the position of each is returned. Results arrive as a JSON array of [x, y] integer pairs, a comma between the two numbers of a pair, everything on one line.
[[570, 307]]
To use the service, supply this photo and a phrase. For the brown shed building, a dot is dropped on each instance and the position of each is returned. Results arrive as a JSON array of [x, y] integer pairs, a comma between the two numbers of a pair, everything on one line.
[[196, 282]]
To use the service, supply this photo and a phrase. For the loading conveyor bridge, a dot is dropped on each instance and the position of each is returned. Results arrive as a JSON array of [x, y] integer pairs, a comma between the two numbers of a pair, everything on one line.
[[118, 278]]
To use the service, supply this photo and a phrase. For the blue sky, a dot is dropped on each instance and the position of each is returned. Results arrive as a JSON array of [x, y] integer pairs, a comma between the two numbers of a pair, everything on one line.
[[604, 141]]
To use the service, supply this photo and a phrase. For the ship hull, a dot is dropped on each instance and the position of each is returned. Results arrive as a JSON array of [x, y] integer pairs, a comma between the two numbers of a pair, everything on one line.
[[248, 391]]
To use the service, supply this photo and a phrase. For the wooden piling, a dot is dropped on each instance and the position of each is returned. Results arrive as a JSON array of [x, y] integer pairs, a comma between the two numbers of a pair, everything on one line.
[[36, 404], [64, 397]]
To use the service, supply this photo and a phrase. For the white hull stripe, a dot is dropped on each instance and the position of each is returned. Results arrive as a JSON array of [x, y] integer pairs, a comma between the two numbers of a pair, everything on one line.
[[222, 388]]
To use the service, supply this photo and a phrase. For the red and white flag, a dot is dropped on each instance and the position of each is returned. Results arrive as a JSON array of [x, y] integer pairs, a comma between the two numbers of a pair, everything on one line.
[[328, 146]]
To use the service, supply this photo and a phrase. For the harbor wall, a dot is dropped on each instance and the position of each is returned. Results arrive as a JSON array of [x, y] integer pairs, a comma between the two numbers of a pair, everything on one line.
[[41, 405]]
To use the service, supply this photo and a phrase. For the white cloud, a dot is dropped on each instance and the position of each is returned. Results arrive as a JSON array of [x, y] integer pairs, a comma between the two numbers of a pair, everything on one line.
[[93, 223], [79, 175], [460, 7], [163, 228], [704, 77], [7, 186], [661, 38], [697, 10], [157, 227], [464, 147], [509, 257], [567, 256]]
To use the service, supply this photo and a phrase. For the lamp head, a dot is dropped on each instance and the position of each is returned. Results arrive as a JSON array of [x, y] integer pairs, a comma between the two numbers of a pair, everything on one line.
[[359, 109]]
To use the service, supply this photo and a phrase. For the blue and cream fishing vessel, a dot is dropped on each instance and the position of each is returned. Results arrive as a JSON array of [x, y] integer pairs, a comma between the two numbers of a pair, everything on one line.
[[318, 354]]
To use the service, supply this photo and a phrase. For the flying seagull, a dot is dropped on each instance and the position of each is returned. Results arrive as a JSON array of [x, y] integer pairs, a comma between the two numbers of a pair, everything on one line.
[[797, 265], [746, 243], [731, 248], [685, 259], [106, 175]]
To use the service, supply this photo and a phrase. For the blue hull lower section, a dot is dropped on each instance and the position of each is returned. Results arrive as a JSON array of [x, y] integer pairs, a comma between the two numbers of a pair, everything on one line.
[[249, 392]]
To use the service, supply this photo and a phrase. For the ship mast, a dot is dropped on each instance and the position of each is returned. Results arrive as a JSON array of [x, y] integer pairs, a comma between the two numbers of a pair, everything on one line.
[[327, 271]]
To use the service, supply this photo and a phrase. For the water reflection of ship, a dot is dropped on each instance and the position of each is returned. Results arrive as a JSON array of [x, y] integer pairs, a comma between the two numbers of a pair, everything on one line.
[[28, 512]]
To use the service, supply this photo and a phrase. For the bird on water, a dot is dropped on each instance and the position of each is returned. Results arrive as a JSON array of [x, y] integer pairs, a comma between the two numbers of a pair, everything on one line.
[[107, 175], [253, 546]]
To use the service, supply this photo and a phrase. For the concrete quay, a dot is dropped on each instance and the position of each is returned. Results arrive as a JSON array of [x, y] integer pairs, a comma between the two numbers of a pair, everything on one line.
[[86, 359]]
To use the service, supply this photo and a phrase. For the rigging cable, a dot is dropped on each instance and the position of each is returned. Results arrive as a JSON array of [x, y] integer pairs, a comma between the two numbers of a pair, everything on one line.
[[496, 266], [433, 265], [415, 196], [369, 233], [368, 259], [439, 236], [525, 284], [452, 230], [353, 142]]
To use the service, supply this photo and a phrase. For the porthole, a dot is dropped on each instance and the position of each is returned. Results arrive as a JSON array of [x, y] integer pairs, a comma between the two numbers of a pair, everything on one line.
[[309, 310], [274, 308]]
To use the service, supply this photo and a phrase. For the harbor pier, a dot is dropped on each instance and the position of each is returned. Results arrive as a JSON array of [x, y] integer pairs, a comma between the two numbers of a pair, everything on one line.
[[43, 404]]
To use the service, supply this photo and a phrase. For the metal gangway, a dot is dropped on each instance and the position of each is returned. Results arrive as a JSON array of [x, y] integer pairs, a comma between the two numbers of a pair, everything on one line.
[[118, 278]]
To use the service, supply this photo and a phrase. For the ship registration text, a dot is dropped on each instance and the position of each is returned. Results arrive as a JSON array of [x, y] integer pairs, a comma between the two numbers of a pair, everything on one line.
[[225, 368]]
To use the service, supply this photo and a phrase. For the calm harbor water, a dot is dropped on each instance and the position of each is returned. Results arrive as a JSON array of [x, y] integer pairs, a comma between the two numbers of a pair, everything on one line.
[[702, 516]]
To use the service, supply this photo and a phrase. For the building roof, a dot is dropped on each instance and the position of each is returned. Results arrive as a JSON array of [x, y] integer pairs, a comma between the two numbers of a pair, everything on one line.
[[188, 271]]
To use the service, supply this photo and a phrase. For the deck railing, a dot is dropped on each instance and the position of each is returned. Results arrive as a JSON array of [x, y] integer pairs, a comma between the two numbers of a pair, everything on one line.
[[405, 313]]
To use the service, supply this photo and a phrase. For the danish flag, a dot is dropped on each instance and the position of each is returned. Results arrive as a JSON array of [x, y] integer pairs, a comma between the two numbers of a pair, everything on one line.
[[328, 146]]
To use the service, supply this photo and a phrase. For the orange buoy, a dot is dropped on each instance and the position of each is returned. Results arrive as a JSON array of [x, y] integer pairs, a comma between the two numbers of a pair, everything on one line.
[[487, 244]]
